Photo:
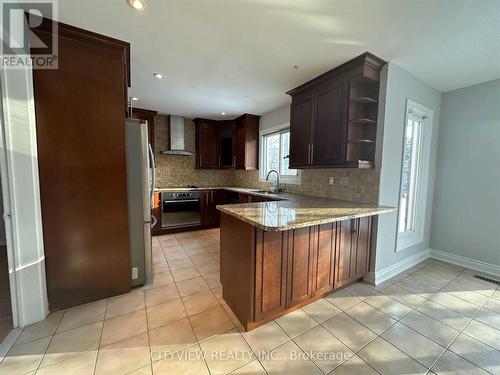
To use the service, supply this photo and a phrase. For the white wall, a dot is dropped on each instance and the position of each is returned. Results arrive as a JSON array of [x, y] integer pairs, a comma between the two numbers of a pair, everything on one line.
[[399, 85], [275, 117], [466, 213]]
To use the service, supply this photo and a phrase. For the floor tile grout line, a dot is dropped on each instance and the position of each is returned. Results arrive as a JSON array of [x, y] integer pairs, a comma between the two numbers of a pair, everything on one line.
[[100, 338], [147, 331], [454, 339], [50, 341], [413, 308], [192, 328]]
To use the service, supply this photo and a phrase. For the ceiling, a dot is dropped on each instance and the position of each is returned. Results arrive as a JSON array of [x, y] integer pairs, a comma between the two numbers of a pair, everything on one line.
[[238, 56]]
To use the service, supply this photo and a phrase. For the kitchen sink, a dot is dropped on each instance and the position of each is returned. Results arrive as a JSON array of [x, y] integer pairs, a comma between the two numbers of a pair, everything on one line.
[[265, 192]]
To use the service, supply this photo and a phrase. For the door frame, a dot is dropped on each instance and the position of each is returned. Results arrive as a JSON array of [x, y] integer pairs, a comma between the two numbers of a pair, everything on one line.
[[21, 197]]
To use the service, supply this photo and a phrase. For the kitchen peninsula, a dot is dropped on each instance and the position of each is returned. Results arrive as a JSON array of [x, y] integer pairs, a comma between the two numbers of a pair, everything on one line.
[[278, 256]]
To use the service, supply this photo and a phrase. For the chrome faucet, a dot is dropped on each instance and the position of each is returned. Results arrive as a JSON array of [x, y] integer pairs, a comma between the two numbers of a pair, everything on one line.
[[277, 188]]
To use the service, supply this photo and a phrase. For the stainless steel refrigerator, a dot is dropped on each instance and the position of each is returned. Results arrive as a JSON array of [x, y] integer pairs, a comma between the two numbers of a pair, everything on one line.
[[140, 187]]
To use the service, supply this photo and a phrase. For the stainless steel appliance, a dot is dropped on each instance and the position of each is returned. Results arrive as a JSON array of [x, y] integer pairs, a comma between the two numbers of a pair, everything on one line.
[[140, 188], [180, 209]]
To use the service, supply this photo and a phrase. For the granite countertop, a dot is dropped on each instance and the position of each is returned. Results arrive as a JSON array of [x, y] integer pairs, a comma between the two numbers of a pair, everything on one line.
[[290, 211], [299, 211]]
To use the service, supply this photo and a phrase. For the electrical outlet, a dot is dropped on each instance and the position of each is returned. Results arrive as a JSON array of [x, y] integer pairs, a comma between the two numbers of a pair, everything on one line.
[[135, 273], [330, 181]]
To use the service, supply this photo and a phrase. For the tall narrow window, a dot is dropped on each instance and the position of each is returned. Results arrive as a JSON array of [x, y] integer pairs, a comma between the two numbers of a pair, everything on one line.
[[274, 155], [414, 175]]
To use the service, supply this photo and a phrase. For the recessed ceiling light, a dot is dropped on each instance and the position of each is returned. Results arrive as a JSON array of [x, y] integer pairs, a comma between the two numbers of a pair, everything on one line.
[[158, 75], [137, 4], [133, 98], [223, 113]]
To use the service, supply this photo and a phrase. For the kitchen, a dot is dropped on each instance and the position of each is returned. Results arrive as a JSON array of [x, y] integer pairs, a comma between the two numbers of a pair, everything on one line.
[[232, 214]]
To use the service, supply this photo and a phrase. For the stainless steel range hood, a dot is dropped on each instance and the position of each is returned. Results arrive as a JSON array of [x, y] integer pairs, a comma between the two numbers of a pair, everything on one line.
[[177, 144]]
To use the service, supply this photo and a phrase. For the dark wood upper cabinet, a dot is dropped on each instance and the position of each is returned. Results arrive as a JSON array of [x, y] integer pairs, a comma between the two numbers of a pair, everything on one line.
[[149, 116], [207, 144], [330, 132], [247, 142], [301, 125], [228, 144], [333, 118], [80, 119]]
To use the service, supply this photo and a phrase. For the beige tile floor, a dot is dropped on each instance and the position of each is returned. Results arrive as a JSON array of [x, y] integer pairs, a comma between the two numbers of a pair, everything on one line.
[[433, 318]]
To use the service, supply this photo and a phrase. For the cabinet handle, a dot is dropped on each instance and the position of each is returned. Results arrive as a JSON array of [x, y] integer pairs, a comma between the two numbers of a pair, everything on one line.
[[219, 161], [309, 154], [312, 153], [206, 199], [212, 196], [234, 161]]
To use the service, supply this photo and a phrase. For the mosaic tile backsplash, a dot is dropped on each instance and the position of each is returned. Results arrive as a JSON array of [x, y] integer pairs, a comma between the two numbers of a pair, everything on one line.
[[179, 171]]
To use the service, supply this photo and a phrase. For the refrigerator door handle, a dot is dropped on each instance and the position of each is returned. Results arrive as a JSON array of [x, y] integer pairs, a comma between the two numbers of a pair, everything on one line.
[[153, 172], [153, 221]]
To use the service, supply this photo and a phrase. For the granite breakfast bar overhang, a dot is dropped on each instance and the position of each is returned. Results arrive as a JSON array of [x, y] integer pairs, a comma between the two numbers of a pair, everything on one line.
[[281, 255]]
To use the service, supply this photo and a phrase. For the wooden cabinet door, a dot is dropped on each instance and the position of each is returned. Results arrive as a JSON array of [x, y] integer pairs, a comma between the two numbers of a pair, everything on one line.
[[353, 250], [209, 213], [323, 269], [245, 198], [363, 241], [207, 141], [301, 117], [343, 253], [270, 273], [330, 127], [299, 265], [227, 146]]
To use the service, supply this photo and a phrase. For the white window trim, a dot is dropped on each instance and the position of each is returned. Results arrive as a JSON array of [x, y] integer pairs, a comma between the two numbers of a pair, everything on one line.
[[294, 180], [408, 239]]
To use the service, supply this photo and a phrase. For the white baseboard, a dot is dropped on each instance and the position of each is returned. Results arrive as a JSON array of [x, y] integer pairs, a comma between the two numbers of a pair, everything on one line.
[[379, 277], [476, 265]]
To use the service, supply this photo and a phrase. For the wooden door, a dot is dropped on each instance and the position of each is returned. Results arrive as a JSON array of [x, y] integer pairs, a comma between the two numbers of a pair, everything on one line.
[[207, 140], [330, 127], [270, 274], [323, 258], [80, 119], [300, 131], [299, 265], [227, 146]]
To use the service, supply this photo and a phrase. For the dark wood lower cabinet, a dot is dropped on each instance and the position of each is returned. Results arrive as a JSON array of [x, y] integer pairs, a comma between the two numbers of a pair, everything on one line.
[[300, 264], [353, 251], [268, 274]]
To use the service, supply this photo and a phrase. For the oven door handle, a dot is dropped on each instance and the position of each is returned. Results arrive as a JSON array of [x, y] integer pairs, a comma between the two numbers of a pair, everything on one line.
[[182, 201]]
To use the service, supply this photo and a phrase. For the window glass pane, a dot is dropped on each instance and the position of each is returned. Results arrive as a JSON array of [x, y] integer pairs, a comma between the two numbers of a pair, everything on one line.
[[285, 147], [409, 178], [272, 145]]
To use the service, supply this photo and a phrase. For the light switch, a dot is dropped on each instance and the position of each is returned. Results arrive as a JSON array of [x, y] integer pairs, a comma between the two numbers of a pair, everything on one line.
[[330, 181]]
